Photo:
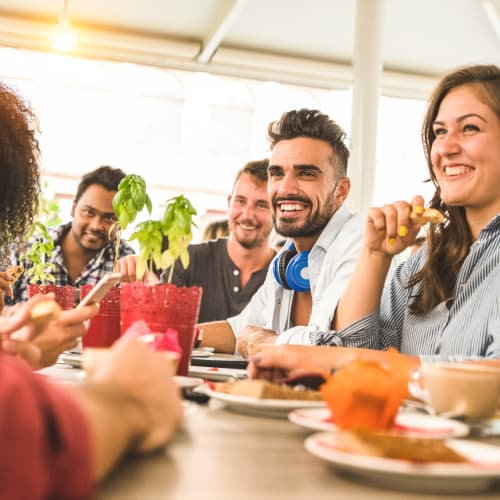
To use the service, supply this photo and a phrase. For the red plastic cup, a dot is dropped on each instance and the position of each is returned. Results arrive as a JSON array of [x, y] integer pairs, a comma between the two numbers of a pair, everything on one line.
[[161, 307], [104, 327], [64, 295]]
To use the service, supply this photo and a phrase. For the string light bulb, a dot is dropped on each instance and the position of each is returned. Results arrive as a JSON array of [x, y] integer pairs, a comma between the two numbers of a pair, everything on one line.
[[63, 36]]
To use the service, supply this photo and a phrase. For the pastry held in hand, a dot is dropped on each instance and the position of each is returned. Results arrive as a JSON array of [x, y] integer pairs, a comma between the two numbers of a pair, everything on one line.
[[15, 272], [45, 311], [431, 215]]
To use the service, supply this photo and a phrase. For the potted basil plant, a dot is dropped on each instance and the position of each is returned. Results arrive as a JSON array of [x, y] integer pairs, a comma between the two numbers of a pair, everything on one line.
[[164, 306]]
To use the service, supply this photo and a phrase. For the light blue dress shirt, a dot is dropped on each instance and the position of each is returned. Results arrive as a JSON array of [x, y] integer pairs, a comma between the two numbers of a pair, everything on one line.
[[331, 263]]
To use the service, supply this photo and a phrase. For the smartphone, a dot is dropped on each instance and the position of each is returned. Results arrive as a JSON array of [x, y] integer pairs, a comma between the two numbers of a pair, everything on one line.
[[103, 286]]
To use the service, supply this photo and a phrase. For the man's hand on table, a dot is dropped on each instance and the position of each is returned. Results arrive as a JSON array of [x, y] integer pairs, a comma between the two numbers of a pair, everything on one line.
[[252, 336]]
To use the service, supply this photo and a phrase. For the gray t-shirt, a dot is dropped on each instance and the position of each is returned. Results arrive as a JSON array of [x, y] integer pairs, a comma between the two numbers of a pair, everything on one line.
[[211, 268]]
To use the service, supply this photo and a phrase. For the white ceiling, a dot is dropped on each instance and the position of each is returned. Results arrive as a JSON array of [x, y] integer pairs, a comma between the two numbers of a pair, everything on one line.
[[309, 42]]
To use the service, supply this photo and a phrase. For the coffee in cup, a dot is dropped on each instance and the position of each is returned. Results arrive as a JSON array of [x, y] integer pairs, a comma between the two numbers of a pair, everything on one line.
[[469, 390]]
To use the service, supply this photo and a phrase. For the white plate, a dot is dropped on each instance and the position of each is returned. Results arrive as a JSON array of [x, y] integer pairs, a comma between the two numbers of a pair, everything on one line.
[[71, 359], [216, 374], [424, 426], [434, 477], [277, 408], [201, 353], [187, 382]]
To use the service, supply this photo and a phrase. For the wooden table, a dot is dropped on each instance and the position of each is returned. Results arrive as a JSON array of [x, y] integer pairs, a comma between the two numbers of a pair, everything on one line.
[[221, 455]]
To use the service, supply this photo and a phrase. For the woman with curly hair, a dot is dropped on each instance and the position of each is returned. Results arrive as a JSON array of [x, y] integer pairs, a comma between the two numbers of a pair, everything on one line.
[[19, 168], [49, 429], [442, 304], [19, 175]]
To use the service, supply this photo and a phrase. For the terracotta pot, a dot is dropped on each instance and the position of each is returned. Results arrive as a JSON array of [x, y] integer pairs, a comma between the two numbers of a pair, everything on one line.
[[65, 295], [104, 327], [161, 307]]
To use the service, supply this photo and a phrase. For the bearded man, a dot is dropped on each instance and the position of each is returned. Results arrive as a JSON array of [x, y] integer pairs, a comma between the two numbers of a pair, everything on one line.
[[230, 270], [307, 188], [83, 250]]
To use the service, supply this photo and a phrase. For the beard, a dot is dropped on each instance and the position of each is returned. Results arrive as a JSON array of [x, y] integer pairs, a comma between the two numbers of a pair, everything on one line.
[[79, 236], [250, 243], [312, 226]]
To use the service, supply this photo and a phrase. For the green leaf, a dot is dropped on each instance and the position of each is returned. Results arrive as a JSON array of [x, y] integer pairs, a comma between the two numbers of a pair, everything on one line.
[[149, 205], [167, 260], [141, 267]]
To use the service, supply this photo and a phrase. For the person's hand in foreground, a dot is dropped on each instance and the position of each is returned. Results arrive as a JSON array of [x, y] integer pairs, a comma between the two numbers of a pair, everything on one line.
[[252, 336], [41, 344], [132, 401]]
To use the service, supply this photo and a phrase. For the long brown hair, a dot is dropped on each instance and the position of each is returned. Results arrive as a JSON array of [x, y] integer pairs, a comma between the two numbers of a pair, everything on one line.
[[449, 243]]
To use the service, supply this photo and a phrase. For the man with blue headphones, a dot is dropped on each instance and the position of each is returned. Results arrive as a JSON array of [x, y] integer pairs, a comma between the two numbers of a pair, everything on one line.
[[307, 188]]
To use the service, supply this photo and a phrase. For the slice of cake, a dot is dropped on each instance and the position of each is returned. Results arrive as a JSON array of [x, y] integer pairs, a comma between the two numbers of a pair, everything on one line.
[[262, 389]]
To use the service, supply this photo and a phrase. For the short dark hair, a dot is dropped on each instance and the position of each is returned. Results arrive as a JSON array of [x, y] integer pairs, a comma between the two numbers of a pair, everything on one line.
[[256, 169], [316, 125], [104, 176]]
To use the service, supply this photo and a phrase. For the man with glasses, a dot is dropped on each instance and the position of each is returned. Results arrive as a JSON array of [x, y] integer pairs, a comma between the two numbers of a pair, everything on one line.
[[83, 250]]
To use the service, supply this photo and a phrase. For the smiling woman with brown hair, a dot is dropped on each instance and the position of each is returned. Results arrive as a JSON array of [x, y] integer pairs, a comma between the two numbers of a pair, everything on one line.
[[443, 303]]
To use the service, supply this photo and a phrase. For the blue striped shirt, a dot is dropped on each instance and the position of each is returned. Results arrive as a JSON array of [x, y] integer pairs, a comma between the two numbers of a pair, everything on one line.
[[465, 327]]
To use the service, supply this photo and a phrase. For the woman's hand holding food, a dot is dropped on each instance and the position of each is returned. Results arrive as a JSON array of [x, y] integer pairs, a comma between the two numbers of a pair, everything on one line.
[[390, 228]]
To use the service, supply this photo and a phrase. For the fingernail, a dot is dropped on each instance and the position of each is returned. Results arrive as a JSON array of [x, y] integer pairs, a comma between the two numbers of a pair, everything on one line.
[[419, 210], [392, 241], [86, 324], [403, 231]]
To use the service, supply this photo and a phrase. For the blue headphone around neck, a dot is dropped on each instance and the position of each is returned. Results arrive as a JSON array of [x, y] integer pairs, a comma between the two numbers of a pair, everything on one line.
[[290, 269]]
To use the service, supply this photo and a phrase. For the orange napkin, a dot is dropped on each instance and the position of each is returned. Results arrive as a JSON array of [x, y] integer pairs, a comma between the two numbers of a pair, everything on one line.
[[367, 394]]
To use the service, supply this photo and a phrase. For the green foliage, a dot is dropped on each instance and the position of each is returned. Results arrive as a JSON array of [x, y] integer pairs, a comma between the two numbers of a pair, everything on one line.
[[40, 255], [130, 199], [175, 224]]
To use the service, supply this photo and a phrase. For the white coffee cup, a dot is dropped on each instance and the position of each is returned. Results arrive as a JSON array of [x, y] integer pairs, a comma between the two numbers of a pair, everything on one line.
[[469, 390]]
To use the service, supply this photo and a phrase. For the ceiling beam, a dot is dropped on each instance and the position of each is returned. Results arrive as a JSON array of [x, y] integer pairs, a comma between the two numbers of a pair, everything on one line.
[[174, 53], [214, 38], [493, 15]]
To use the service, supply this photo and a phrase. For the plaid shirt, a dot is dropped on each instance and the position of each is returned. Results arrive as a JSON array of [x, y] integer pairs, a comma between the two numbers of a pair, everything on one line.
[[95, 268]]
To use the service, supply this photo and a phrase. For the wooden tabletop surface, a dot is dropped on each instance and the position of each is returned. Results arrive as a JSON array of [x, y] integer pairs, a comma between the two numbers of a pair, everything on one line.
[[223, 455]]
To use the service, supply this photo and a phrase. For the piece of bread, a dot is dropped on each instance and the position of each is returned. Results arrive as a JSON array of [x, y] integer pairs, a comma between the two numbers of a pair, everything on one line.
[[45, 311], [262, 389], [429, 215], [15, 272], [388, 444]]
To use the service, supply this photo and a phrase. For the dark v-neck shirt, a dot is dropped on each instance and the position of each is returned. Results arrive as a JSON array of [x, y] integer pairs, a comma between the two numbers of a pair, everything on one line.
[[211, 268]]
